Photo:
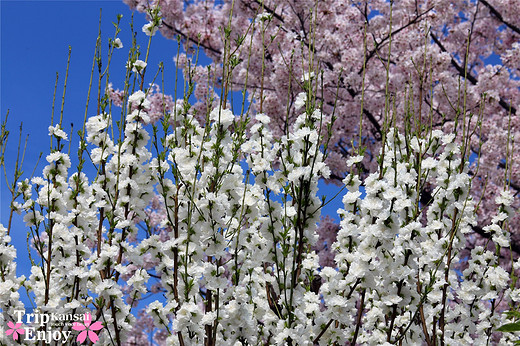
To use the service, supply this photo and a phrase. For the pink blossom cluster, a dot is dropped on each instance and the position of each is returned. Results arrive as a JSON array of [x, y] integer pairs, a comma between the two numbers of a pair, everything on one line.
[[431, 49]]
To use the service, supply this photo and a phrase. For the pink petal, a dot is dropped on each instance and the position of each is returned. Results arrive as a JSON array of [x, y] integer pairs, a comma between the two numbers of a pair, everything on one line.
[[88, 319], [82, 336], [20, 331], [9, 331], [18, 325], [78, 326], [92, 336], [10, 324], [96, 326], [15, 336]]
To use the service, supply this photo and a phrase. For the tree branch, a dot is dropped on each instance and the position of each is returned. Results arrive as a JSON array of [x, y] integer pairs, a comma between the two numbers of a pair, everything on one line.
[[473, 80], [185, 37], [499, 16], [395, 32]]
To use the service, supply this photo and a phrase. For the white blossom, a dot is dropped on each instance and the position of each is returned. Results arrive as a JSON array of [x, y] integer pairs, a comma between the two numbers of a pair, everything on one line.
[[150, 29], [307, 76], [300, 100], [137, 66], [57, 132], [117, 43]]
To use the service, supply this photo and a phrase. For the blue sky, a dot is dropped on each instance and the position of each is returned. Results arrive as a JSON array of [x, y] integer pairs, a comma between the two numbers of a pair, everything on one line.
[[35, 38], [34, 46]]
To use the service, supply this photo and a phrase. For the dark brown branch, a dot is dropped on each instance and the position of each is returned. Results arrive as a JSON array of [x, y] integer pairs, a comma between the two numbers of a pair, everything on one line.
[[370, 116], [498, 15], [395, 32], [367, 113], [359, 317], [266, 8], [315, 341], [473, 80], [185, 37]]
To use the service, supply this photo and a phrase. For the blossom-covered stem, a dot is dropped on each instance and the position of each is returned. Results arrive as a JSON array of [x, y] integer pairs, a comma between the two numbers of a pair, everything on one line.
[[176, 255], [267, 193], [407, 253], [424, 326], [386, 113], [323, 330], [172, 219], [241, 220], [449, 258], [97, 61], [52, 179], [112, 306], [303, 201], [227, 65], [49, 230], [302, 191], [176, 249], [17, 167], [394, 307], [361, 307], [65, 87], [263, 64], [78, 188], [101, 220], [413, 319], [272, 297]]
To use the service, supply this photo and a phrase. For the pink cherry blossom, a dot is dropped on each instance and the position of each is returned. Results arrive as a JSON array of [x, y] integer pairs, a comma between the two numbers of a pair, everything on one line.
[[427, 36], [14, 330], [87, 329]]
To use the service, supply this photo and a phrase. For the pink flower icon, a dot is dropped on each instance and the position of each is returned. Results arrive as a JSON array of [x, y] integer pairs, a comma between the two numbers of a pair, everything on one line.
[[87, 329], [14, 329]]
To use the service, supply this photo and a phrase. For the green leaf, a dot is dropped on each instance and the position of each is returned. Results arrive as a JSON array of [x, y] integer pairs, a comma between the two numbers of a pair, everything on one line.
[[513, 313], [510, 327]]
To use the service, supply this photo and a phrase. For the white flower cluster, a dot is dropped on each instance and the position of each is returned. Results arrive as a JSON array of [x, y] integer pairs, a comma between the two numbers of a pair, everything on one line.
[[117, 43], [81, 229], [300, 100], [150, 29], [57, 132], [232, 250], [500, 235], [136, 66], [9, 282], [395, 252], [264, 16]]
